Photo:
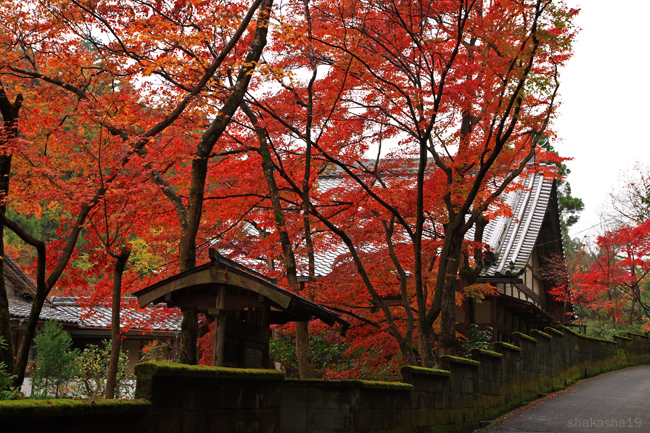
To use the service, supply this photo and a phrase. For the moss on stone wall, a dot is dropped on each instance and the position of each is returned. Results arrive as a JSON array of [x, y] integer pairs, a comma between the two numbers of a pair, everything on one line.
[[487, 353], [508, 346], [29, 408], [638, 335], [203, 371], [541, 334], [459, 360], [587, 337], [525, 337], [426, 371], [146, 371], [395, 386], [550, 330], [352, 383]]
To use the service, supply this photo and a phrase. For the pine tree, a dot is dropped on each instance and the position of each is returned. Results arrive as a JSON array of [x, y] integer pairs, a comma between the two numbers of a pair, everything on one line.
[[55, 365]]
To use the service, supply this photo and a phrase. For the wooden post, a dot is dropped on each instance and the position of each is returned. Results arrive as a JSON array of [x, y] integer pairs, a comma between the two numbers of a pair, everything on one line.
[[219, 337]]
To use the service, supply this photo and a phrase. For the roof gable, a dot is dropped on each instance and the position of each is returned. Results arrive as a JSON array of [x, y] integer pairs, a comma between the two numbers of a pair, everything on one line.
[[535, 213], [199, 288], [18, 285]]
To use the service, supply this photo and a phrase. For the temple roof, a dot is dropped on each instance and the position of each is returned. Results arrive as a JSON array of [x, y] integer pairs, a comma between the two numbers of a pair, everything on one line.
[[198, 287], [69, 311], [535, 213]]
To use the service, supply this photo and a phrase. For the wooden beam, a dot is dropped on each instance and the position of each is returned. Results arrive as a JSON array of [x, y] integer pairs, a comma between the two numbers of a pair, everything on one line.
[[219, 338], [530, 293], [499, 280], [202, 277], [204, 302], [234, 279], [209, 276]]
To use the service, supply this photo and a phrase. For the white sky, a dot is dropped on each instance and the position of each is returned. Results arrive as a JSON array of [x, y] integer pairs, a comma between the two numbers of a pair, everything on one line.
[[604, 119]]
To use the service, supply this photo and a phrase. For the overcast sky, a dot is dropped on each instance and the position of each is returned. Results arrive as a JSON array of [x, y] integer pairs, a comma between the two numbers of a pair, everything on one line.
[[603, 119]]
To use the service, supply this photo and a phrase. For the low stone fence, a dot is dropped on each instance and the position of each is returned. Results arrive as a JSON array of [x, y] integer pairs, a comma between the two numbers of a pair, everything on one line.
[[457, 398], [74, 416], [465, 392], [196, 399]]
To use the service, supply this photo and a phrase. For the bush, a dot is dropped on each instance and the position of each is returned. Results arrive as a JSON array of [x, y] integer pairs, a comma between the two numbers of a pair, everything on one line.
[[55, 365], [7, 389], [608, 330], [158, 350], [92, 369], [331, 360], [478, 339]]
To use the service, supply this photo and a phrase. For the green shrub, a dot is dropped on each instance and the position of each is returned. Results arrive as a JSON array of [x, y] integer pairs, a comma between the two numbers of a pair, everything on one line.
[[158, 350], [55, 365], [478, 339], [607, 330], [92, 369], [331, 359], [7, 389]]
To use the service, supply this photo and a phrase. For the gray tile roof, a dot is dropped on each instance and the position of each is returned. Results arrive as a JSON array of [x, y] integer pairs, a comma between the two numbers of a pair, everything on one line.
[[67, 310], [18, 285], [512, 239], [324, 260], [325, 183]]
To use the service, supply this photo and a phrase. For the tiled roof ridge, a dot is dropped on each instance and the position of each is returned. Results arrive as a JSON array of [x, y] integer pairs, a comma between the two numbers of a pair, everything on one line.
[[65, 309], [512, 239]]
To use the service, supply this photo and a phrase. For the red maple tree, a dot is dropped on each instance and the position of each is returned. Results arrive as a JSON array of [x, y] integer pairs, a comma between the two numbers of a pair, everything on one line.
[[452, 98]]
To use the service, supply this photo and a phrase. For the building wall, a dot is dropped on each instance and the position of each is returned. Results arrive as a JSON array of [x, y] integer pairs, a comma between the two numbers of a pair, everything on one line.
[[132, 349], [531, 275]]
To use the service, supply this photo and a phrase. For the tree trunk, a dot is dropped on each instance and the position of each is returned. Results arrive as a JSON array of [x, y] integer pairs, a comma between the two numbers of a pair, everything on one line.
[[406, 346], [450, 267], [448, 319], [116, 338], [8, 133], [302, 333], [303, 351], [468, 274], [187, 249], [188, 351], [6, 351], [43, 286]]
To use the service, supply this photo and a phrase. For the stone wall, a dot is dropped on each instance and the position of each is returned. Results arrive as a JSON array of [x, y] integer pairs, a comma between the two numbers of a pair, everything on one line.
[[468, 392], [456, 398], [74, 416], [199, 399]]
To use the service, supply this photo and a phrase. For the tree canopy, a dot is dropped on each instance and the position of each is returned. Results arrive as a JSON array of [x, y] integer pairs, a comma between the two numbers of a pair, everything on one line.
[[385, 130]]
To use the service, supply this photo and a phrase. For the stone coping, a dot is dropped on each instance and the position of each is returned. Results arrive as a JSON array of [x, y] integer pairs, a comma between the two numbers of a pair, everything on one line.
[[525, 337], [459, 360]]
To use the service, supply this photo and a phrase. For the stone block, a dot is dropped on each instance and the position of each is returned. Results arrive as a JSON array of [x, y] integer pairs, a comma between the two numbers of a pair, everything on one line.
[[294, 419], [329, 398], [330, 419], [295, 396]]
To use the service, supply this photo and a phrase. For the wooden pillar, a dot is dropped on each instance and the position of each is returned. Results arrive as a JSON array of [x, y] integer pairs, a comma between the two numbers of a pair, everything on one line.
[[219, 336]]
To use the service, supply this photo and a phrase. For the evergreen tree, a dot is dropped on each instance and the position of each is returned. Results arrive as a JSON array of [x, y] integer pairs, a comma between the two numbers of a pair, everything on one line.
[[55, 365], [569, 206]]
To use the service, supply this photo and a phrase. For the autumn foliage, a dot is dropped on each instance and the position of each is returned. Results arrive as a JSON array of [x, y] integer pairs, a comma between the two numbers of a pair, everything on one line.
[[388, 128], [611, 284]]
